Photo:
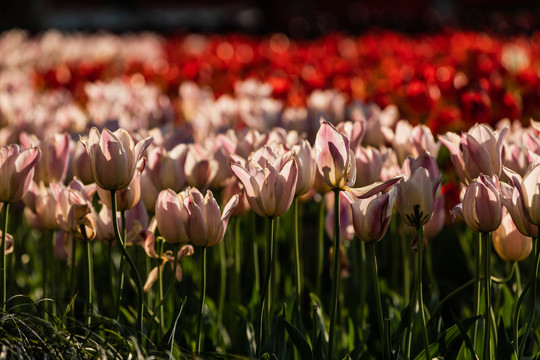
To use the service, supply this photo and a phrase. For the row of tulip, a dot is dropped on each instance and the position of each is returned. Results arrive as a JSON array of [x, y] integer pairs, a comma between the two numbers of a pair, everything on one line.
[[449, 80], [267, 173]]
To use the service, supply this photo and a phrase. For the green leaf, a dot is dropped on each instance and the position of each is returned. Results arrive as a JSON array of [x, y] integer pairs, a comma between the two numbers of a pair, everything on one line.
[[299, 341], [168, 339], [269, 345], [505, 349], [318, 350], [449, 338]]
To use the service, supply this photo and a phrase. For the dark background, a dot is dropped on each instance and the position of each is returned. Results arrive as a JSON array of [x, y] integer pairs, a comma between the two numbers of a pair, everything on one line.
[[297, 18]]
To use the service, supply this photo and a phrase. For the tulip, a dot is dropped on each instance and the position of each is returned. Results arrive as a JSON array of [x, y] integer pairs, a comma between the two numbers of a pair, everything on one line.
[[129, 196], [481, 207], [513, 202], [509, 243], [335, 160], [371, 216], [55, 154], [369, 164], [269, 187], [479, 151], [80, 164], [113, 157], [74, 214], [206, 225], [16, 171], [530, 192], [166, 168], [305, 162], [172, 216], [416, 197], [40, 202], [136, 223]]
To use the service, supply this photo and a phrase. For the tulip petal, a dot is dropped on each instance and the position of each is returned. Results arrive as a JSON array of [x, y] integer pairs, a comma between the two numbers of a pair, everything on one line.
[[376, 187]]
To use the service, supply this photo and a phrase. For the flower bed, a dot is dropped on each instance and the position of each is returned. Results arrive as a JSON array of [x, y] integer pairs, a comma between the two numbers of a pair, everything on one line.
[[230, 162]]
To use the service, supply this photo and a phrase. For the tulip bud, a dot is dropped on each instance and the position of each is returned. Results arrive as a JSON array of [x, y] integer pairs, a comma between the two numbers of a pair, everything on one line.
[[206, 225], [16, 171], [371, 216], [509, 243], [335, 160], [172, 216], [113, 157], [416, 197], [481, 207]]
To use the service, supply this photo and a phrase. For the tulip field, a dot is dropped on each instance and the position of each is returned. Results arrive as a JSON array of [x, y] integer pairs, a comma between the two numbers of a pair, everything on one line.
[[196, 196]]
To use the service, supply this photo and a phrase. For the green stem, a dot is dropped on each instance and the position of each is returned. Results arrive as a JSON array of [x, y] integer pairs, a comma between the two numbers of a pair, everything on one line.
[[223, 282], [161, 243], [375, 274], [203, 296], [90, 274], [533, 280], [406, 256], [3, 265], [112, 288], [478, 288], [72, 277], [485, 239], [237, 289], [363, 287], [320, 248], [297, 255], [264, 291], [140, 301], [121, 272], [420, 244], [255, 251], [335, 276]]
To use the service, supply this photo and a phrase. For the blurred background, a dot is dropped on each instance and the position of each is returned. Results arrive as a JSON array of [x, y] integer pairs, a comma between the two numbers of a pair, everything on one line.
[[296, 18]]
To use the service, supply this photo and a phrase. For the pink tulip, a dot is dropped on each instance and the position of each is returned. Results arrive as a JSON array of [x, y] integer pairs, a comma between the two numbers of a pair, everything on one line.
[[523, 198], [172, 216], [113, 157], [513, 202], [206, 225], [129, 196], [335, 160], [481, 207], [16, 171], [479, 151], [40, 201], [73, 211], [417, 191], [509, 243], [136, 224], [150, 193], [55, 154], [206, 167], [80, 164], [270, 184], [303, 155], [369, 163], [166, 168], [371, 216]]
